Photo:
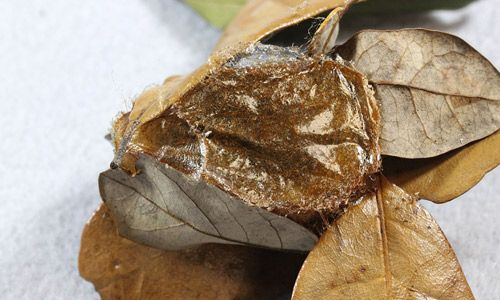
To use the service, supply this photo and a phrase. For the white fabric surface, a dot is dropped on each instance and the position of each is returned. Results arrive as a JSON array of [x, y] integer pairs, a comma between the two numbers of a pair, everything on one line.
[[67, 67]]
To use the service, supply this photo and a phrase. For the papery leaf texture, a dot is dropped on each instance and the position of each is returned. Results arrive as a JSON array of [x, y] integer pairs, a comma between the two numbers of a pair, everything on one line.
[[385, 247], [162, 208], [436, 92], [445, 177]]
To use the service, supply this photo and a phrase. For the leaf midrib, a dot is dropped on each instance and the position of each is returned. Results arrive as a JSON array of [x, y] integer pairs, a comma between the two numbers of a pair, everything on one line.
[[385, 246]]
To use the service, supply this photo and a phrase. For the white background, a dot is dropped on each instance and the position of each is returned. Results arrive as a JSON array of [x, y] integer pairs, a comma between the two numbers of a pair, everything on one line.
[[67, 67]]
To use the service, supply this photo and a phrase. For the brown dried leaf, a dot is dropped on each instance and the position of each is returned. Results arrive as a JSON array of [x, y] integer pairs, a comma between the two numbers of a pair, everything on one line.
[[436, 92], [326, 35], [423, 59], [121, 269], [386, 247], [445, 177], [163, 208], [260, 18]]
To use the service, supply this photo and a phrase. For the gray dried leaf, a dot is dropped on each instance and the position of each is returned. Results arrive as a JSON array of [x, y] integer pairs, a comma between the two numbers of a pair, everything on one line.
[[437, 93], [165, 209]]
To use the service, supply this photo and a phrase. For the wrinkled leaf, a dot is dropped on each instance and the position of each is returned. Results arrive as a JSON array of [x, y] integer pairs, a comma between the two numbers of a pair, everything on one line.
[[122, 269], [163, 208], [386, 247], [443, 178], [436, 92], [220, 12]]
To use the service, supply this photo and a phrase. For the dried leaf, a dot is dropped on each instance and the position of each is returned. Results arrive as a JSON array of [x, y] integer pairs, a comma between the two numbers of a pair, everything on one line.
[[443, 178], [162, 208], [436, 92], [259, 19], [325, 37], [386, 247], [121, 269]]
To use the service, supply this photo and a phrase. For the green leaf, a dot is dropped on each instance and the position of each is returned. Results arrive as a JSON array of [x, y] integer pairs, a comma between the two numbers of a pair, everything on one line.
[[217, 12], [220, 12]]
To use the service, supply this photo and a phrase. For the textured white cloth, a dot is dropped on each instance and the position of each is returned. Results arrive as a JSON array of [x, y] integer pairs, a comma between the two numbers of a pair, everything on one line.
[[67, 67]]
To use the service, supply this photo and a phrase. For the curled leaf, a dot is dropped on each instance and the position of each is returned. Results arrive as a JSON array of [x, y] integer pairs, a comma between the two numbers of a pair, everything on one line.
[[436, 92], [259, 19], [163, 208], [326, 35], [445, 177], [386, 247], [122, 269]]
